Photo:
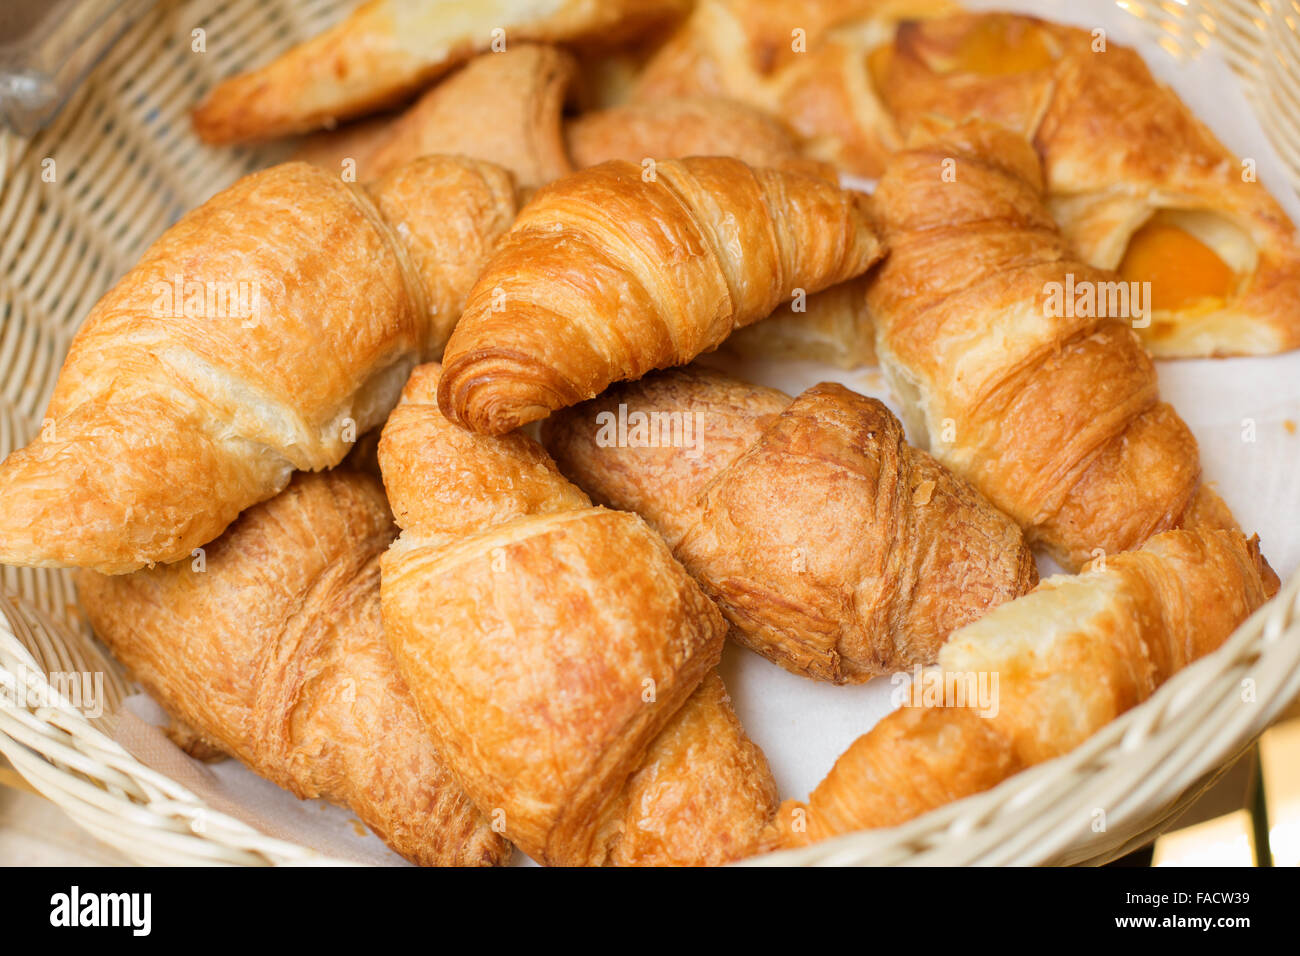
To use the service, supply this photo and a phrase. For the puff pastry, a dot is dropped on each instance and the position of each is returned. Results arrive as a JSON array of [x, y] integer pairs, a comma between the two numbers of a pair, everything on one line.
[[1069, 657], [349, 149], [468, 115], [807, 61], [620, 269], [261, 334], [672, 128], [833, 326], [1137, 183], [273, 651], [562, 659], [833, 547], [1053, 414], [388, 50]]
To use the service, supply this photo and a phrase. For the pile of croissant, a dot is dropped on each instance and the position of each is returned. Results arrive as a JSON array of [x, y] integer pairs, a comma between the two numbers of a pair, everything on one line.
[[328, 538]]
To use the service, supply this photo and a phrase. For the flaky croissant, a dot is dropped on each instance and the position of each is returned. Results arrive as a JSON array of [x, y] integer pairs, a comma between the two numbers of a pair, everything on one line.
[[261, 334], [620, 269], [1055, 666], [272, 648], [1053, 414], [1137, 183], [388, 50], [832, 546], [560, 656]]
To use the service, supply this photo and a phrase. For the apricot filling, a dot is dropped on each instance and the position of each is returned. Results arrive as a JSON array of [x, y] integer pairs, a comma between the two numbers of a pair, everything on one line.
[[1182, 270]]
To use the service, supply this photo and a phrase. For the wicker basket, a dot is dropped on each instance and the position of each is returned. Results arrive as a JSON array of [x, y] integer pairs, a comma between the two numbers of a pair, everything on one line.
[[128, 165]]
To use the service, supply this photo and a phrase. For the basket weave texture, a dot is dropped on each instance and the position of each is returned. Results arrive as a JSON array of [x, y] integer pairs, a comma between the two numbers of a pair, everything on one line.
[[127, 166]]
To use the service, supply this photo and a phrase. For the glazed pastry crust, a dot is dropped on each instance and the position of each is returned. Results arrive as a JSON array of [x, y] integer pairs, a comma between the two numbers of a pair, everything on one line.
[[833, 547], [606, 276], [1071, 656], [568, 642], [275, 654], [1056, 419], [388, 50], [163, 427], [673, 128], [1119, 149]]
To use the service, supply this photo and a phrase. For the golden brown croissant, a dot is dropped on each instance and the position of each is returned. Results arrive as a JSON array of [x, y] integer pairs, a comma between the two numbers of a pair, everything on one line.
[[1135, 181], [560, 655], [620, 269], [1067, 658], [833, 547], [807, 61], [273, 650], [388, 50], [261, 334], [1054, 415], [690, 126]]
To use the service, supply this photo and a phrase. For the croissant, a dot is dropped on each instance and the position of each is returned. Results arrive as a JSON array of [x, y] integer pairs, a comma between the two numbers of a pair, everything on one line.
[[562, 659], [1055, 666], [388, 50], [349, 150], [467, 115], [272, 650], [833, 547], [260, 334], [620, 269], [1137, 183], [807, 61], [691, 126], [833, 326], [1052, 413]]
